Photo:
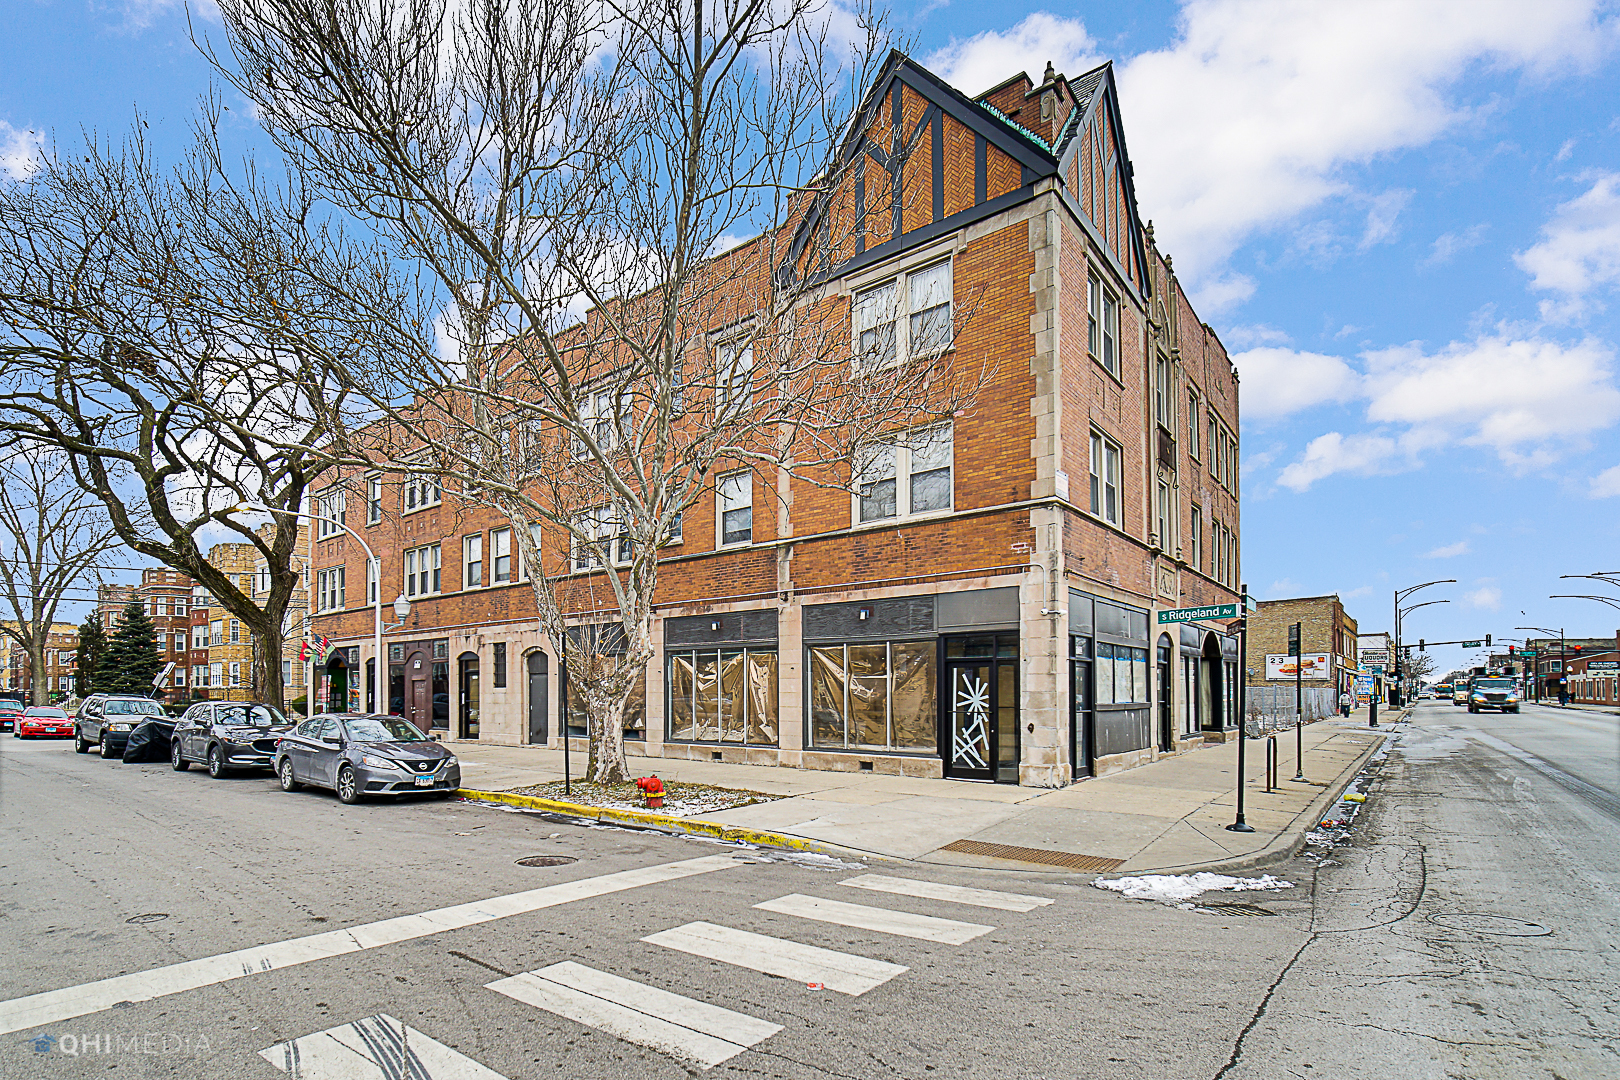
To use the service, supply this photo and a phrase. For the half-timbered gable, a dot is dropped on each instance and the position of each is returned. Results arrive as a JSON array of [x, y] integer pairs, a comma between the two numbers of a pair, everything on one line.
[[1099, 177]]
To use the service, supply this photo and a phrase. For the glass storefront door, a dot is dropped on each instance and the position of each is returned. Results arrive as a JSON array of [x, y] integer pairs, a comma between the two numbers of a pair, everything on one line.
[[981, 708], [469, 696]]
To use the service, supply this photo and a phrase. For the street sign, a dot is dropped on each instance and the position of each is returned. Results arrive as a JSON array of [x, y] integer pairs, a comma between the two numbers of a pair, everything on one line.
[[1198, 614], [1473, 644]]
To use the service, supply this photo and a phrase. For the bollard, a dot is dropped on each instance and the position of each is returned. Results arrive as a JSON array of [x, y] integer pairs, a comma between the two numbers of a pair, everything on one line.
[[1372, 711], [1271, 763]]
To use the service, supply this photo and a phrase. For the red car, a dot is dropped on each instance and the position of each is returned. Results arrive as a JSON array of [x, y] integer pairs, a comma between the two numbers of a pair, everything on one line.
[[44, 721], [10, 710]]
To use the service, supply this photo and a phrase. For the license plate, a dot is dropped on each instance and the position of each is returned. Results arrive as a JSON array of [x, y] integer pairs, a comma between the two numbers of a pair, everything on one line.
[[424, 781]]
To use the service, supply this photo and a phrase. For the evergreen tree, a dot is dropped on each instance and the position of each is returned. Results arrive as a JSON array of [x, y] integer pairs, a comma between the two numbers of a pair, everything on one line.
[[92, 647], [132, 659]]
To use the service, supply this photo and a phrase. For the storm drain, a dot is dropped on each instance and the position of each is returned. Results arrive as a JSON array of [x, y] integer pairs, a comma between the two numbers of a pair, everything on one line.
[[1235, 909], [547, 860], [1045, 856]]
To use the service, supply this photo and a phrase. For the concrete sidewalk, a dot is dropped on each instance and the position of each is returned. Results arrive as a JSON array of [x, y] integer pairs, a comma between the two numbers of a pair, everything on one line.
[[1169, 816]]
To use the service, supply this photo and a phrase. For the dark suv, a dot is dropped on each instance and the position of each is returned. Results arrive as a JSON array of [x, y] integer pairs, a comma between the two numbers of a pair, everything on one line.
[[227, 735], [105, 720]]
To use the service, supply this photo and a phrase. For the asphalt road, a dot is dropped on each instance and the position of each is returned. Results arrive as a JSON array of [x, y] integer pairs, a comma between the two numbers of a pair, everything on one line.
[[109, 870]]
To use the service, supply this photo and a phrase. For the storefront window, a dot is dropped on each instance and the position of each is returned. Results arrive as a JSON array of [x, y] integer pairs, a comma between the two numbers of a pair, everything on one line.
[[1122, 674], [635, 709], [875, 697], [441, 692], [723, 696]]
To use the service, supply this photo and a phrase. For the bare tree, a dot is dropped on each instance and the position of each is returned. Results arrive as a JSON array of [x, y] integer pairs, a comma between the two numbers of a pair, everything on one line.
[[568, 182], [52, 535], [153, 329]]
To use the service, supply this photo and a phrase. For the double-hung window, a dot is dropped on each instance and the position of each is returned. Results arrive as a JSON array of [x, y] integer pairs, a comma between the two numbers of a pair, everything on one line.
[[736, 498], [1105, 475], [421, 491], [371, 581], [734, 370], [912, 475], [908, 316], [1192, 423], [602, 536], [1165, 517], [1196, 554], [596, 416], [329, 513], [1164, 406], [500, 556], [1214, 429], [329, 589], [373, 499], [1102, 324], [236, 631], [422, 570], [472, 561]]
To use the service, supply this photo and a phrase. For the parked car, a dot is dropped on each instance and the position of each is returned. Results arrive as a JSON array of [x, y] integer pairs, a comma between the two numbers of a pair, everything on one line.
[[227, 735], [10, 710], [43, 722], [358, 754], [105, 721]]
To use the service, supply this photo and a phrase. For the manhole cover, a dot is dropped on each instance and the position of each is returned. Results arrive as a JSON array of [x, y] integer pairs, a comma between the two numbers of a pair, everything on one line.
[[1500, 925], [151, 916], [1234, 909], [547, 860]]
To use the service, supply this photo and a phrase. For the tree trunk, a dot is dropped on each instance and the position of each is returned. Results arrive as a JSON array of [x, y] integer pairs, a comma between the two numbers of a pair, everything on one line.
[[606, 719], [267, 649], [39, 680]]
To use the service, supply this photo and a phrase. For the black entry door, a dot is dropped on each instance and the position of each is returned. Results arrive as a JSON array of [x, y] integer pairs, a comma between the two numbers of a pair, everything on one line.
[[538, 728], [981, 708]]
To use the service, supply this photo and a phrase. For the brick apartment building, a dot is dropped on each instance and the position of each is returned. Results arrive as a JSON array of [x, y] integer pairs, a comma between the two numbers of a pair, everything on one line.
[[1329, 644], [166, 596], [996, 619], [61, 664], [1560, 660]]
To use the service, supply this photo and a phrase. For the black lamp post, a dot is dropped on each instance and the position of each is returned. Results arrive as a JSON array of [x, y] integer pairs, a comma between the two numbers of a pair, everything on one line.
[[1400, 616], [1402, 594], [1563, 663]]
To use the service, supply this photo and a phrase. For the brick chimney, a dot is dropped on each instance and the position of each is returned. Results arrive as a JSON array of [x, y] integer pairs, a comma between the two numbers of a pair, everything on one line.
[[1041, 110]]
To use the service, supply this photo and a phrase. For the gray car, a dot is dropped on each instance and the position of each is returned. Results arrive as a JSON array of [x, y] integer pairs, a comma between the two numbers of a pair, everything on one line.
[[227, 735], [105, 721], [358, 754]]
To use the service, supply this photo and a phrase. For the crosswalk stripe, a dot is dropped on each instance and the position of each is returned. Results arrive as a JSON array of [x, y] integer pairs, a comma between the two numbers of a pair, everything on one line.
[[374, 1048], [884, 921], [843, 972], [956, 894], [666, 1022], [53, 1006]]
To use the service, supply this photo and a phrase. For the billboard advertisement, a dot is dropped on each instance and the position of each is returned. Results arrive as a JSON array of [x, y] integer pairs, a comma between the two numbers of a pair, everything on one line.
[[1282, 667]]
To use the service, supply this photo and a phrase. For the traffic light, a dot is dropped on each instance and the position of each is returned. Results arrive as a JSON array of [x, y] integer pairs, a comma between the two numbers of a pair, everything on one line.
[[1512, 649], [1487, 641], [1421, 646]]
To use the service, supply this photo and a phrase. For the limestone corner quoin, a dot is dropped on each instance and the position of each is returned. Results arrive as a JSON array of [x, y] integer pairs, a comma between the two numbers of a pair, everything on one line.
[[1010, 635]]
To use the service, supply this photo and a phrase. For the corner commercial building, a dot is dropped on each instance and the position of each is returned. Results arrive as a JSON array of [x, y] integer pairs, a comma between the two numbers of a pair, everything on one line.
[[994, 616]]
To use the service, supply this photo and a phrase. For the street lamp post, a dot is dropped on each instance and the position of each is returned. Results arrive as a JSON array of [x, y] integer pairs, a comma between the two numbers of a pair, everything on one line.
[[1400, 617], [374, 572], [1402, 594]]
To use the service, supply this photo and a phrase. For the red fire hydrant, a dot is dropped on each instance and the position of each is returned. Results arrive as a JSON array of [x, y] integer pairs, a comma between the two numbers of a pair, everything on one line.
[[653, 789]]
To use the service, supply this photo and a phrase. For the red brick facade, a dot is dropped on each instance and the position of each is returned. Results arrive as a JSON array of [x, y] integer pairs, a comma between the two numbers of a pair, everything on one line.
[[1034, 201]]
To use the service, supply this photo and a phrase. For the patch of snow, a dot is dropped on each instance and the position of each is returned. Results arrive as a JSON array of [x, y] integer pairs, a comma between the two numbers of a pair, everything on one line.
[[1170, 888]]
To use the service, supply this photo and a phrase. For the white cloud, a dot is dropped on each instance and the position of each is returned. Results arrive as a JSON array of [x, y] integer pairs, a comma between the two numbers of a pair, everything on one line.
[[1526, 398], [984, 60], [1606, 484], [1245, 337], [1277, 382], [1579, 249], [1251, 117], [1335, 452], [1486, 597], [1518, 396], [20, 151], [1449, 551], [1284, 588], [1449, 245], [1381, 215]]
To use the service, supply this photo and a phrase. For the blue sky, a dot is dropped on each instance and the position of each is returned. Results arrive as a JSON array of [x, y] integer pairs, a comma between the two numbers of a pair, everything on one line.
[[1403, 220]]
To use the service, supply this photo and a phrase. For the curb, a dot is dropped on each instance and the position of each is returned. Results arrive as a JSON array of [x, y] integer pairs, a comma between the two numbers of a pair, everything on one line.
[[669, 823], [1286, 844]]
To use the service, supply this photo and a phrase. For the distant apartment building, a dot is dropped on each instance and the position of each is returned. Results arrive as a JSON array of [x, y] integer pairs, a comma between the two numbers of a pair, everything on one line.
[[230, 644], [1329, 644], [984, 606], [17, 672]]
